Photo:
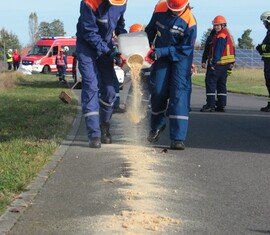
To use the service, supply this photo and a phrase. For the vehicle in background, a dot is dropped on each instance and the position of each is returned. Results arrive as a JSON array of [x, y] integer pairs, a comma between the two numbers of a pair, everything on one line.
[[41, 58], [118, 70]]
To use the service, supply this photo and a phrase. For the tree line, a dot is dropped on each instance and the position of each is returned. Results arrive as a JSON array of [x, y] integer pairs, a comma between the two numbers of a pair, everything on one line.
[[56, 28], [9, 40]]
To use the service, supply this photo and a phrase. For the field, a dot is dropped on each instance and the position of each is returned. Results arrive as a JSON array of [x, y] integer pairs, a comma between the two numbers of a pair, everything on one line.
[[245, 81]]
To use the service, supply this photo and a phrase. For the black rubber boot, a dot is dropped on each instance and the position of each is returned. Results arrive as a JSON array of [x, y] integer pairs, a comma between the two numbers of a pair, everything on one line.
[[207, 108], [154, 135], [95, 143], [266, 108], [105, 134], [177, 145], [220, 109]]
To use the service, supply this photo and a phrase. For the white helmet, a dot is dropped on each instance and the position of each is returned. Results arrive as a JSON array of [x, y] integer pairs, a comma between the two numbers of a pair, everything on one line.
[[9, 50], [66, 48], [265, 16]]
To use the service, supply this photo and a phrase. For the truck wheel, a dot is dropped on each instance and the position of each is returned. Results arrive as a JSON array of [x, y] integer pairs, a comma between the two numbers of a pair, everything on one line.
[[46, 69]]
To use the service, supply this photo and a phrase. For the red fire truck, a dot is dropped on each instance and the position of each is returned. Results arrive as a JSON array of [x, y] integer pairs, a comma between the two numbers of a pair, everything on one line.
[[41, 58]]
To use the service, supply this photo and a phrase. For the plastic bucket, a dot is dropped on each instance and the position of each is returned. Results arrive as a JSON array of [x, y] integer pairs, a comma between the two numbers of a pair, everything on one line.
[[134, 46]]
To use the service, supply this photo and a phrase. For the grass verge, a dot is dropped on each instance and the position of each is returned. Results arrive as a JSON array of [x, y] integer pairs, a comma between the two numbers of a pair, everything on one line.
[[34, 122], [243, 81]]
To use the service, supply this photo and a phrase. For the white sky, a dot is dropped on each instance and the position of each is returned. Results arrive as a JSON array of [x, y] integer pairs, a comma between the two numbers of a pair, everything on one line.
[[240, 15]]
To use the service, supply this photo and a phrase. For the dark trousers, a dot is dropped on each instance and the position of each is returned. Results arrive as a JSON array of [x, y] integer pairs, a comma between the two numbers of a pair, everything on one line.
[[61, 72], [267, 74], [9, 65], [16, 65], [216, 86]]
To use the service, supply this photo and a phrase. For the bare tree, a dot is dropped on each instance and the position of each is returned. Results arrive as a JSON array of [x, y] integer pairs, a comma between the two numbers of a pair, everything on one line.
[[33, 28]]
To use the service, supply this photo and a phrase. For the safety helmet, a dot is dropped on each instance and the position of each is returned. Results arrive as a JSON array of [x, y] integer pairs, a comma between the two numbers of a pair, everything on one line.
[[219, 20], [9, 50], [265, 16], [66, 48], [135, 28], [177, 5], [117, 2]]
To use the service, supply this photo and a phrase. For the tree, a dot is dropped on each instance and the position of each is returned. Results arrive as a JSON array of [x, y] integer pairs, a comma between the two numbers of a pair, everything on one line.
[[44, 29], [33, 28], [246, 42], [8, 40], [204, 37], [55, 28]]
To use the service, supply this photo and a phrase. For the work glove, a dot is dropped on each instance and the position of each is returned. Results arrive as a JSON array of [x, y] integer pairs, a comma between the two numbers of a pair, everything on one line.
[[117, 59], [259, 48], [151, 56]]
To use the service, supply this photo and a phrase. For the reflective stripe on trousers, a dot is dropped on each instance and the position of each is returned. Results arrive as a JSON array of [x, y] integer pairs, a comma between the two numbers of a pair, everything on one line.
[[215, 82], [170, 86], [97, 85]]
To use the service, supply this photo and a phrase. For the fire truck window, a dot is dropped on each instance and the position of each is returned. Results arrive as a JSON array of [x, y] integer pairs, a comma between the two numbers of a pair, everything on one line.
[[55, 50]]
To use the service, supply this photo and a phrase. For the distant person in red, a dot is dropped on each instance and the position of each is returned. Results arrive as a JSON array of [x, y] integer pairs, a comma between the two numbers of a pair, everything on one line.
[[16, 57], [74, 67], [61, 63]]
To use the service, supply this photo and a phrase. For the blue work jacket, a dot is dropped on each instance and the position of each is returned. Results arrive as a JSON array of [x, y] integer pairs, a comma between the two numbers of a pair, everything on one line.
[[97, 22], [174, 36]]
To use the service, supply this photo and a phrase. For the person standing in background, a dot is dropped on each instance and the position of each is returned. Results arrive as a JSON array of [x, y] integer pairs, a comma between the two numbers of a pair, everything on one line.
[[221, 60], [16, 57], [74, 67], [9, 59], [172, 31], [205, 56], [97, 22], [264, 50], [61, 64]]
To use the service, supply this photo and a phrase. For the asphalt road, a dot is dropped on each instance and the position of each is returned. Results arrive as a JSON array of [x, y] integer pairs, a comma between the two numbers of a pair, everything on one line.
[[219, 185]]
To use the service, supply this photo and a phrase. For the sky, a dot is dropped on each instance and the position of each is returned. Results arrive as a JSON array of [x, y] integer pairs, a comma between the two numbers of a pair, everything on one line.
[[240, 14]]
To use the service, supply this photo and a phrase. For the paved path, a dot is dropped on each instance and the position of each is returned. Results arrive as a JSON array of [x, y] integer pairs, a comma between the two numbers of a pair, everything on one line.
[[219, 185]]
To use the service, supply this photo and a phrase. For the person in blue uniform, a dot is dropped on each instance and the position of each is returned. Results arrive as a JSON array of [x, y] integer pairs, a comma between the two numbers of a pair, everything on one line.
[[98, 20], [221, 60], [264, 50], [172, 32]]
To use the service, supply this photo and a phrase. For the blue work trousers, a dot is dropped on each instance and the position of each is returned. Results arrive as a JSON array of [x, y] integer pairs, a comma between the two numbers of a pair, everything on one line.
[[98, 93], [170, 87], [216, 88]]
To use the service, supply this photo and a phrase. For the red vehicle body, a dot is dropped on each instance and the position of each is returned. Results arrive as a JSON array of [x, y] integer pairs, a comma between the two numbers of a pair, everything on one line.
[[41, 58]]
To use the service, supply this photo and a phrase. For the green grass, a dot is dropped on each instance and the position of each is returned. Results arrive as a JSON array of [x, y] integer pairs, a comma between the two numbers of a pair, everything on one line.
[[244, 81], [34, 122]]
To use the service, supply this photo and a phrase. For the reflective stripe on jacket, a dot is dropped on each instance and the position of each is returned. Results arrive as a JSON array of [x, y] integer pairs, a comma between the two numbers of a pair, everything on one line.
[[60, 60], [222, 48], [266, 46], [9, 57]]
